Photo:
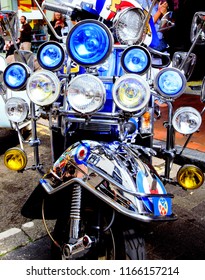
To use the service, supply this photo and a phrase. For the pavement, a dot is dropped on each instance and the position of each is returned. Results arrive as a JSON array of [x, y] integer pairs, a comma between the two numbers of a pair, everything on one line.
[[33, 231]]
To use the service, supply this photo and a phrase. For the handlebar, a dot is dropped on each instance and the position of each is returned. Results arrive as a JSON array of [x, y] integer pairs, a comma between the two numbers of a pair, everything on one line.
[[63, 9]]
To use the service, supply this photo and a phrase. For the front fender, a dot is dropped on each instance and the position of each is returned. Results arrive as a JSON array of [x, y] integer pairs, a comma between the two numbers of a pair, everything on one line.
[[116, 175]]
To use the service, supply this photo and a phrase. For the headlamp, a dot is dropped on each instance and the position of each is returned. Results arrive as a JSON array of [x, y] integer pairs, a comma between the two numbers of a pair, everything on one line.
[[86, 94], [128, 26], [16, 75], [16, 109], [51, 55], [170, 82], [186, 120], [190, 177], [89, 43], [43, 87], [15, 159], [131, 92], [136, 60]]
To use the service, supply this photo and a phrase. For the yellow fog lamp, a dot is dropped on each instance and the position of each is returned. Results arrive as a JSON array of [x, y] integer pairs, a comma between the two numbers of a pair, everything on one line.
[[190, 177], [15, 159], [186, 120]]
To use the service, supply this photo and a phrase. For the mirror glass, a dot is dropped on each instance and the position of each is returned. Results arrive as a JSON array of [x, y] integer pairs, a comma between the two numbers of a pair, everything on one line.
[[179, 59], [9, 25], [166, 22], [203, 91], [198, 28]]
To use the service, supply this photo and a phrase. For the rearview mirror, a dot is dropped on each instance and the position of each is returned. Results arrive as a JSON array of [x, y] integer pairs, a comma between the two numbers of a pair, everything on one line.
[[198, 28], [9, 25], [203, 91], [166, 22], [182, 61]]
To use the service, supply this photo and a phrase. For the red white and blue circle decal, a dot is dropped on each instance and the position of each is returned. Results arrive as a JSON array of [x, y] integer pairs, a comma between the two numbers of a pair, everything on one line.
[[163, 206], [82, 153]]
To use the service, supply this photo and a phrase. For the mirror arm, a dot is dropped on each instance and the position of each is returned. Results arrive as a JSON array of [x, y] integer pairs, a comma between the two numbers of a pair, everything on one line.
[[14, 40], [147, 18], [190, 50], [48, 22]]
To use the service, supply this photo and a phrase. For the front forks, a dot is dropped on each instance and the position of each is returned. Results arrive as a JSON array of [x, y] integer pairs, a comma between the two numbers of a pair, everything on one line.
[[76, 245], [75, 213]]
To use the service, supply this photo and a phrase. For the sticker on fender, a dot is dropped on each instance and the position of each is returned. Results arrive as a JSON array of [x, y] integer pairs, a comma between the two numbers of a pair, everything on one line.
[[162, 206]]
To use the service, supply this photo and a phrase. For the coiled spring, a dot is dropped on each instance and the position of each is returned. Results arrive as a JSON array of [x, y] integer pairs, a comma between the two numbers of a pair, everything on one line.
[[75, 212], [76, 203]]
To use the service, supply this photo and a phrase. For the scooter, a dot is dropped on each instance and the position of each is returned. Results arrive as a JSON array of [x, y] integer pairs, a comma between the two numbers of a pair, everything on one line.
[[99, 102]]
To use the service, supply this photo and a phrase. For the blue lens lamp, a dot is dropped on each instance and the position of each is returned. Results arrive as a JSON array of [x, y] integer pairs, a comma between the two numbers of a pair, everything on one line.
[[89, 43], [15, 76], [170, 82], [51, 56], [136, 60]]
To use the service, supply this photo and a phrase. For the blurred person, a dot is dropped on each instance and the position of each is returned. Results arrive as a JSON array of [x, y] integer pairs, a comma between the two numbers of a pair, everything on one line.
[[58, 22], [25, 34]]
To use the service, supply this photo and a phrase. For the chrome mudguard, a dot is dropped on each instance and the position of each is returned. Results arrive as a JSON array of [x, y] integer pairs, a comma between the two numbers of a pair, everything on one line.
[[115, 174]]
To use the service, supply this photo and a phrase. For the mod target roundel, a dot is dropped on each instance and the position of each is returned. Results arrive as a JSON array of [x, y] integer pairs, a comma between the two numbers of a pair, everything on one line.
[[82, 153]]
